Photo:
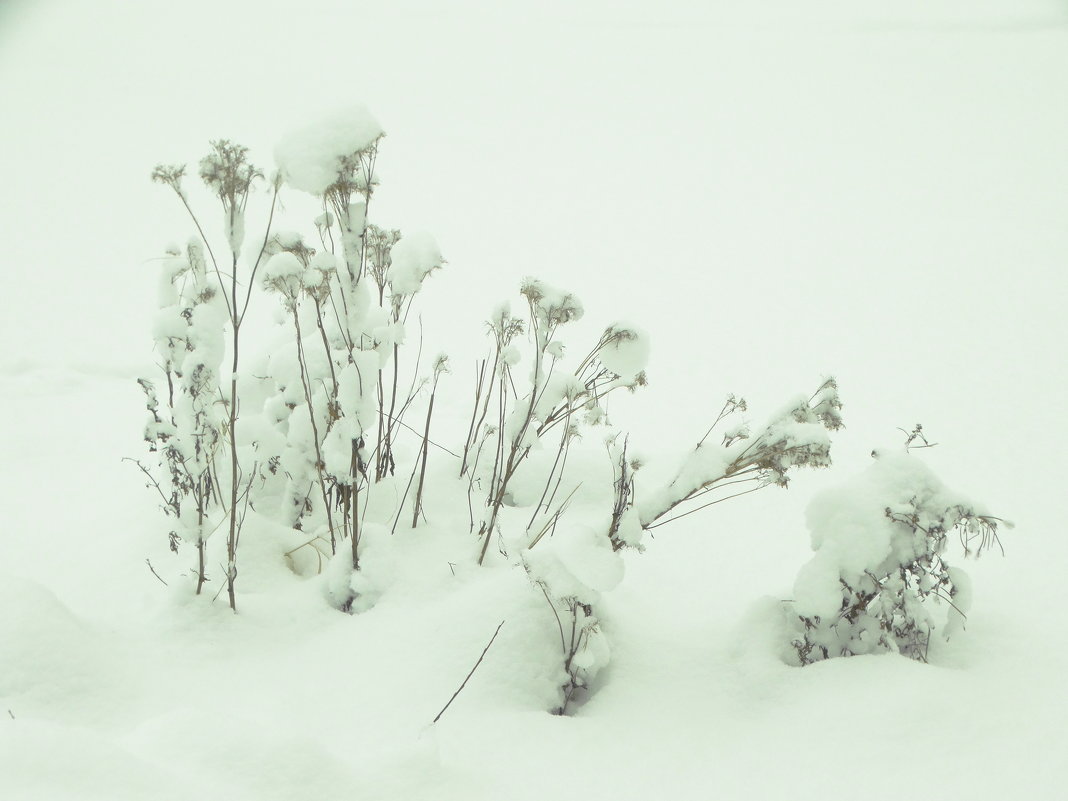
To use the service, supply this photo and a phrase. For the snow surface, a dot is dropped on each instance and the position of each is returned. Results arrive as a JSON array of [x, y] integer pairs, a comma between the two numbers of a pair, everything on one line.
[[877, 190]]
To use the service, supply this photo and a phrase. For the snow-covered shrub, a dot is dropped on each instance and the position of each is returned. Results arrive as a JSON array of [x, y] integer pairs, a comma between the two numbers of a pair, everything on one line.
[[880, 572], [321, 409]]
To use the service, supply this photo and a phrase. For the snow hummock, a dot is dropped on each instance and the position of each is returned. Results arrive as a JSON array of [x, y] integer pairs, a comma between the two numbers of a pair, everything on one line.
[[310, 157]]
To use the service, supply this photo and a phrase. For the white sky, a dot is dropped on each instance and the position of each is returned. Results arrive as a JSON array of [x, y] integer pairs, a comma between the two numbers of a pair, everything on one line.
[[874, 190]]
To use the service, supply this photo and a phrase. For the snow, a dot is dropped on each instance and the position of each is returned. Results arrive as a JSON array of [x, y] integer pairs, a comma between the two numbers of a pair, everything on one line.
[[413, 258], [310, 157], [627, 351], [284, 274], [867, 184], [552, 306]]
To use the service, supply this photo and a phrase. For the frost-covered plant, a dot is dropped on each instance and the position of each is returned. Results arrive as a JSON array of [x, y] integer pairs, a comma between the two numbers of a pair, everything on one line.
[[572, 571], [348, 407], [795, 437], [549, 399], [441, 366], [326, 427], [880, 570], [334, 160], [398, 266], [185, 431], [625, 528], [526, 410], [229, 175], [323, 409], [290, 274]]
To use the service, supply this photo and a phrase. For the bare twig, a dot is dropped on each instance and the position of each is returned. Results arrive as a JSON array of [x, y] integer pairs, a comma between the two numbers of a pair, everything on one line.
[[154, 573], [703, 506], [469, 675]]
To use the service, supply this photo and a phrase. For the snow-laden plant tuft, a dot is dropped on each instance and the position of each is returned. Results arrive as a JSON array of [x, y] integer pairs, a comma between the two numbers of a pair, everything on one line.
[[185, 427], [880, 580], [228, 175], [797, 436], [528, 408], [321, 413]]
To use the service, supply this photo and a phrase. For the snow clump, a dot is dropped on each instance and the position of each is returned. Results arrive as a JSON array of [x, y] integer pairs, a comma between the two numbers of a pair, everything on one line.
[[412, 259], [626, 350], [311, 158]]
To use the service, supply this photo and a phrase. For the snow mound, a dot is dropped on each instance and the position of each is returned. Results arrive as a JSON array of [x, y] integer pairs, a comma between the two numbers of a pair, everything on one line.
[[57, 658]]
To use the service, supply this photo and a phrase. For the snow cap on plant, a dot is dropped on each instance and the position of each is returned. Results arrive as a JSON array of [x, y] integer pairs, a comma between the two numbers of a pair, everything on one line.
[[170, 175], [291, 242], [379, 244], [321, 268], [551, 306], [625, 351], [226, 171], [412, 258], [503, 326], [325, 153], [797, 437], [284, 273]]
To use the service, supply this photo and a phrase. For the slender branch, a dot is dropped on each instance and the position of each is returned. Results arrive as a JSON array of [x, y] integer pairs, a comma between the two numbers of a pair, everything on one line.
[[703, 506], [469, 675], [263, 250], [207, 245], [154, 573]]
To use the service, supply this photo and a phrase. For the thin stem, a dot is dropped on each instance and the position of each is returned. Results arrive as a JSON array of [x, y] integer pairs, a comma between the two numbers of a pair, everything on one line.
[[423, 457], [480, 377], [469, 675], [703, 506]]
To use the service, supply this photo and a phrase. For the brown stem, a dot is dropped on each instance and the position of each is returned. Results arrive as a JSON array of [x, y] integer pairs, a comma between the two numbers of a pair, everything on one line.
[[320, 466], [423, 457]]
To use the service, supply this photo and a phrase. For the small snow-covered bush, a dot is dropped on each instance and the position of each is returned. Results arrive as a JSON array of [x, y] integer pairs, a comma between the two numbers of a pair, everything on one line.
[[880, 580]]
